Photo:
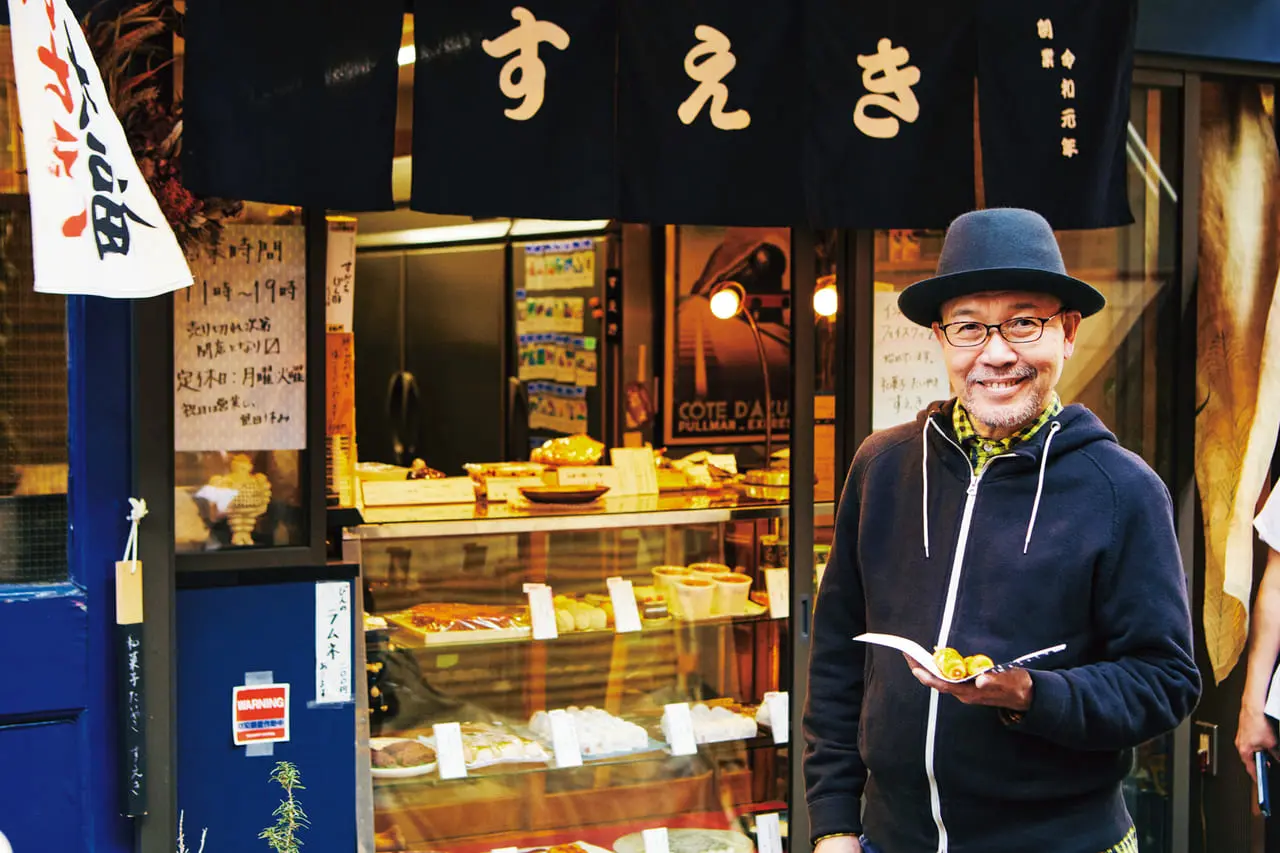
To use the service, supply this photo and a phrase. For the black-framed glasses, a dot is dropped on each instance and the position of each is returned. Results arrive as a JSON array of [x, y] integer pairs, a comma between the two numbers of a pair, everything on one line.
[[1015, 330]]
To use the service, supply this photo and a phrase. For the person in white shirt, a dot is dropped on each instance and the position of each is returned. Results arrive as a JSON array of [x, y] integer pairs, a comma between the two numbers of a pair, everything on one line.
[[1256, 732]]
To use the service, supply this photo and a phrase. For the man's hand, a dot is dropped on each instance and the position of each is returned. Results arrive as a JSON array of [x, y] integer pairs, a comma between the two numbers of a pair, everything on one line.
[[839, 844], [1254, 734], [1010, 689]]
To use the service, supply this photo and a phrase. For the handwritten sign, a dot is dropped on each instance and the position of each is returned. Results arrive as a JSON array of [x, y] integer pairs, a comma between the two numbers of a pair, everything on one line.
[[240, 344], [340, 275], [333, 642], [340, 384], [907, 371], [133, 720]]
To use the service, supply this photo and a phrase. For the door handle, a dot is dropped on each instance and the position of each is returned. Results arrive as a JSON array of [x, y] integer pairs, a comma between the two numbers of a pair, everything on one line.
[[401, 406]]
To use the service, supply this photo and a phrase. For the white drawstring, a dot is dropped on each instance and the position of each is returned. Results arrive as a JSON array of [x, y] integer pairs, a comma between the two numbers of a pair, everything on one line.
[[137, 511], [924, 481], [1035, 507]]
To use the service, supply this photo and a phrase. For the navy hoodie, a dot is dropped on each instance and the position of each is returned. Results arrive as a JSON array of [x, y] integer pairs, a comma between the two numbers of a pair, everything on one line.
[[1069, 539]]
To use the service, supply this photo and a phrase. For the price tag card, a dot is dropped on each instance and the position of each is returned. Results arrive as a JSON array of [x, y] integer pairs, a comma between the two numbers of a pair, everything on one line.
[[655, 840], [449, 757], [588, 475], [726, 462], [779, 715], [768, 833], [504, 850], [626, 616], [450, 490], [637, 472], [680, 728], [778, 583], [503, 489], [564, 739], [542, 611]]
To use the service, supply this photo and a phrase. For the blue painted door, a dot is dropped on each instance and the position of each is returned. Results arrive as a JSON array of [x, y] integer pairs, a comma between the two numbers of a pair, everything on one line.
[[59, 765]]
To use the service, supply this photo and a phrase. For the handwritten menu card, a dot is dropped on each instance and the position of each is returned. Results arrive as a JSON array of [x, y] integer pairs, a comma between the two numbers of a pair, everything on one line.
[[340, 265], [907, 370], [240, 344]]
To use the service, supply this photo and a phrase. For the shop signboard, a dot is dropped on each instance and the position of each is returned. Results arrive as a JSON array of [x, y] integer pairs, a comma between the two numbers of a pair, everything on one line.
[[522, 107], [260, 714], [822, 112], [96, 229], [709, 125], [1053, 91], [889, 139]]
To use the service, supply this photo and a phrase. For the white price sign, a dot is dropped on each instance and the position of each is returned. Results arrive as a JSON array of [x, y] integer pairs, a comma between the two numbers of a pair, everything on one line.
[[778, 583], [768, 833], [655, 840], [564, 739], [626, 616], [779, 715], [680, 728], [542, 611], [449, 755]]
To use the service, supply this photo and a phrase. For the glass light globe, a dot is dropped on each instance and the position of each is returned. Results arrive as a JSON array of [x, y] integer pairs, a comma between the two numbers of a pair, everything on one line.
[[826, 301], [725, 303]]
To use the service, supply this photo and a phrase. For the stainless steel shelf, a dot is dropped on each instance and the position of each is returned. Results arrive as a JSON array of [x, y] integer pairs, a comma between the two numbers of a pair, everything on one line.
[[409, 522]]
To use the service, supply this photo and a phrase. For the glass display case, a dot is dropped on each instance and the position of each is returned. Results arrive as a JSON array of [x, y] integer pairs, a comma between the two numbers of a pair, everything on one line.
[[548, 677]]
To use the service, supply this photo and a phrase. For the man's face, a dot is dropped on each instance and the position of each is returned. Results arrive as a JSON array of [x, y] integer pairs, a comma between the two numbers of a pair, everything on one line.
[[1005, 386]]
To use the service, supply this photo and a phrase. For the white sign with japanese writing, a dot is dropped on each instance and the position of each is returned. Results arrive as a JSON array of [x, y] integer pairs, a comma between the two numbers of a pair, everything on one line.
[[333, 642], [340, 274], [907, 371], [240, 344], [96, 229]]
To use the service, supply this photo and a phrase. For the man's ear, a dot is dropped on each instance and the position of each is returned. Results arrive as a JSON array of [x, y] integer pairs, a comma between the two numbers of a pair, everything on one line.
[[1070, 326], [937, 333]]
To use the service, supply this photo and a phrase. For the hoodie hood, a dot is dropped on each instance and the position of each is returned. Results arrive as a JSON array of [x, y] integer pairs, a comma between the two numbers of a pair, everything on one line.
[[1072, 429]]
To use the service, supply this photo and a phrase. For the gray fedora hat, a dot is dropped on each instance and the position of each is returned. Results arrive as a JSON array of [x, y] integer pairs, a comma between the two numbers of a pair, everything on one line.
[[1002, 248]]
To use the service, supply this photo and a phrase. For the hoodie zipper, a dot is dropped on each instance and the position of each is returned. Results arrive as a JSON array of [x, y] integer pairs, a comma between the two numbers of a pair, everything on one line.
[[948, 612]]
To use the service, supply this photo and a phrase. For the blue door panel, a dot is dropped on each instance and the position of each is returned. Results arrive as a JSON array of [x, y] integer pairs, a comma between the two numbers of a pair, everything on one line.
[[224, 632], [41, 810], [42, 665]]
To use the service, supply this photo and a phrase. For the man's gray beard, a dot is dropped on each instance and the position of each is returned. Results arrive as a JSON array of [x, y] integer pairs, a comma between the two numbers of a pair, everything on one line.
[[1003, 417]]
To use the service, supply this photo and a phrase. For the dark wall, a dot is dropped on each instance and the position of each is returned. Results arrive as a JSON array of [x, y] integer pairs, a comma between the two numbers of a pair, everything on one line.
[[1217, 29]]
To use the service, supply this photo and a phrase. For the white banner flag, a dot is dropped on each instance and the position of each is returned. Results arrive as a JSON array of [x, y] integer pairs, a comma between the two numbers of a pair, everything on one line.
[[95, 227]]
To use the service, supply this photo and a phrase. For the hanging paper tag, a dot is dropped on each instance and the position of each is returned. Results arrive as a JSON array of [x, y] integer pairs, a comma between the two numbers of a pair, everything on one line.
[[778, 582], [679, 729], [449, 755], [564, 739], [128, 592], [542, 611], [626, 616], [655, 840], [768, 833], [779, 715]]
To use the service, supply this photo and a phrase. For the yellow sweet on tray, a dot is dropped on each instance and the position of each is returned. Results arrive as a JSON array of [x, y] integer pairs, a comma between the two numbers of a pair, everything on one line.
[[955, 666], [950, 663]]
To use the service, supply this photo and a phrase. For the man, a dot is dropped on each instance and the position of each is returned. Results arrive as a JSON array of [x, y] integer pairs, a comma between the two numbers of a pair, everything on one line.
[[998, 523], [1255, 732]]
